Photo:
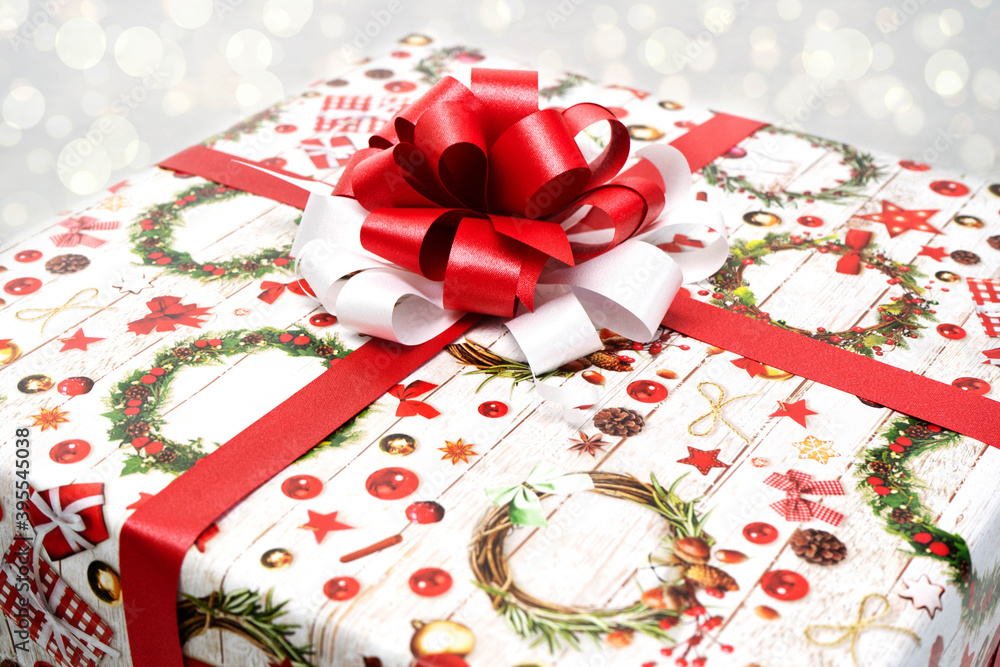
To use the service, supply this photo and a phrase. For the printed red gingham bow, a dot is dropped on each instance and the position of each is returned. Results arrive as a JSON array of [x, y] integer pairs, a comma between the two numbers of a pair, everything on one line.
[[986, 295], [75, 236], [408, 405], [794, 508]]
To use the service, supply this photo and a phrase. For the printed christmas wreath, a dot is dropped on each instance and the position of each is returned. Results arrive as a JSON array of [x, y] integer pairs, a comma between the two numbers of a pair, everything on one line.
[[657, 612], [152, 239], [138, 401], [864, 171], [245, 614], [900, 319], [892, 490]]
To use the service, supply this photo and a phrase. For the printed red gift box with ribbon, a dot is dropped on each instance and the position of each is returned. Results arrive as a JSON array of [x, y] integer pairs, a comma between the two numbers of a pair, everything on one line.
[[490, 236]]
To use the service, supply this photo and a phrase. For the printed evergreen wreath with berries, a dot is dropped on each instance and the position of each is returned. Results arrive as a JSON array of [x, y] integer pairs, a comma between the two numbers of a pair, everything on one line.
[[902, 318], [138, 401], [152, 239], [892, 490], [864, 171], [673, 606]]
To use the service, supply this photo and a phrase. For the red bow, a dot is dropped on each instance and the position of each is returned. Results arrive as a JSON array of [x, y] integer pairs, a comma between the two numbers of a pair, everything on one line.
[[166, 313], [794, 508], [471, 187], [272, 289], [679, 240], [856, 240], [68, 519], [407, 405], [75, 236]]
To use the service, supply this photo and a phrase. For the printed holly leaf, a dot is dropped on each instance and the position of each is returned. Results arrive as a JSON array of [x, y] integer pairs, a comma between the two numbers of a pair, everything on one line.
[[134, 464], [745, 296]]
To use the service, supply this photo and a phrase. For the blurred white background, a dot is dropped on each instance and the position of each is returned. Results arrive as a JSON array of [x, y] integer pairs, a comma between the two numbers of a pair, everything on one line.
[[918, 78]]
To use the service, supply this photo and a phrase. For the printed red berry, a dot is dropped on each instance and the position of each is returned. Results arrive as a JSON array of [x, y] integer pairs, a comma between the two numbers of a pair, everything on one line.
[[157, 371], [938, 548], [285, 337], [922, 538], [726, 648], [147, 379], [215, 342], [302, 340], [201, 343]]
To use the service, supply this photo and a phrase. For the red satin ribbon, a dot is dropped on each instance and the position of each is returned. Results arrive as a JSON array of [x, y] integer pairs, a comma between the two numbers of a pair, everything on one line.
[[856, 240], [155, 539]]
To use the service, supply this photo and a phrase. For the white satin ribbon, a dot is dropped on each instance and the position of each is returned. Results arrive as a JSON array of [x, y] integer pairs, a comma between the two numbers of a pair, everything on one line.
[[627, 289], [989, 309]]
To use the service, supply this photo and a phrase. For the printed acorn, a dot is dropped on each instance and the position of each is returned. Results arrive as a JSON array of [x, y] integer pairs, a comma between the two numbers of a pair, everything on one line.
[[691, 550]]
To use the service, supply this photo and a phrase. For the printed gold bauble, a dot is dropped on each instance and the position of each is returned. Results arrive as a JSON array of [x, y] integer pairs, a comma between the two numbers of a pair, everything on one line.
[[771, 373], [9, 353], [441, 637], [104, 583], [275, 559]]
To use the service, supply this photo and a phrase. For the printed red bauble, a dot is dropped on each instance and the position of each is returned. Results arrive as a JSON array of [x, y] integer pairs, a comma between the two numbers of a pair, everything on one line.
[[69, 451], [785, 585], [392, 483], [302, 487], [339, 589], [75, 386], [493, 409], [425, 511], [430, 582], [760, 532]]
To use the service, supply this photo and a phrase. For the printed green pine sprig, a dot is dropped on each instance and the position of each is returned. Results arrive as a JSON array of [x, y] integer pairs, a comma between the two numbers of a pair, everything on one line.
[[864, 171], [893, 493], [246, 614], [435, 65], [139, 416], [567, 83], [152, 238]]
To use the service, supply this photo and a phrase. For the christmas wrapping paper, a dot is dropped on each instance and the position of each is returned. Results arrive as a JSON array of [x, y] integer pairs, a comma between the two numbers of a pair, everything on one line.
[[709, 510]]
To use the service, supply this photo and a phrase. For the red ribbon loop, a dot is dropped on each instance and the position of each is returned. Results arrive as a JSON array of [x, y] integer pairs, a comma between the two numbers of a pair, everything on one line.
[[856, 240], [472, 186], [408, 403]]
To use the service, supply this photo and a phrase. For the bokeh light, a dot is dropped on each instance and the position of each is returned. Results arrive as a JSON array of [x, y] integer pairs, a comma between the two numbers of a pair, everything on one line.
[[80, 43]]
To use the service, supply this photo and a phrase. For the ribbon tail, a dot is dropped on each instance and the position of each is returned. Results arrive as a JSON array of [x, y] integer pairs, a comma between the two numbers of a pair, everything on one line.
[[849, 264], [422, 409]]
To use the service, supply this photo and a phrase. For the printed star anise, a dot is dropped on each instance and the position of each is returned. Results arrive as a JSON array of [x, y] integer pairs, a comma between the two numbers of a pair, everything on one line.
[[589, 444]]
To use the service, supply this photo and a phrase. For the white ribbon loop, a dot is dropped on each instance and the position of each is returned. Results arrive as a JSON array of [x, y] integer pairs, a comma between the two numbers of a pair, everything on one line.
[[627, 289]]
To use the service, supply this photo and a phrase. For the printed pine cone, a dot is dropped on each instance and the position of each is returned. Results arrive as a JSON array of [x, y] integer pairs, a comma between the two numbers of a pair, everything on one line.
[[619, 422], [250, 266], [902, 515], [880, 467], [183, 353], [187, 266], [919, 432], [137, 430], [150, 242], [994, 242], [711, 577], [168, 455], [325, 350], [965, 257], [818, 546], [137, 392], [252, 339], [67, 264], [608, 362]]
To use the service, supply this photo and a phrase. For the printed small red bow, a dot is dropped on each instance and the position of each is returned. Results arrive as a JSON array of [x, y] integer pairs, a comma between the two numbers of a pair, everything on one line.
[[325, 154], [166, 314], [272, 289], [75, 236], [679, 240], [408, 406], [794, 508], [68, 519], [856, 240]]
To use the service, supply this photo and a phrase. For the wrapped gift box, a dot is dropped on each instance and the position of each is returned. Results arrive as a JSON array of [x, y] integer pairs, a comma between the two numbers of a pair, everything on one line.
[[709, 509]]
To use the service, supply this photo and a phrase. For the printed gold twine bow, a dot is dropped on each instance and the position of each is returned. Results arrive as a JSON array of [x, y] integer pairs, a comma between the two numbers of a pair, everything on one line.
[[49, 313], [716, 411], [852, 630]]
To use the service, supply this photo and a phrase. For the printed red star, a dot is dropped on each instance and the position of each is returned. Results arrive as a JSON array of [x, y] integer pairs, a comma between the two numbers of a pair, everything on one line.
[[797, 411], [323, 524], [703, 460], [77, 341], [934, 253], [143, 497], [753, 368], [992, 356], [898, 220], [967, 657]]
